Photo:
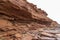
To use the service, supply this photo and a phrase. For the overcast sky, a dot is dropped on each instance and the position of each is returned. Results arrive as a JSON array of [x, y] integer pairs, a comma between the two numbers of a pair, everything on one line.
[[52, 7]]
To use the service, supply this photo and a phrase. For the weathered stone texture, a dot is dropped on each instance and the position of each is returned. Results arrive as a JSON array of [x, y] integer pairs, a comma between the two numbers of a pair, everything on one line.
[[20, 20]]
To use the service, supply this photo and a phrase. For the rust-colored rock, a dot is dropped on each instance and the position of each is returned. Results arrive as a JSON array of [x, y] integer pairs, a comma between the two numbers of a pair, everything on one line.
[[17, 17]]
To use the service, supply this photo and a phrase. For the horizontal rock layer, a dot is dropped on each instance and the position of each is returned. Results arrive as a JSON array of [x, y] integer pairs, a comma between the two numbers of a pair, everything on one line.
[[18, 19]]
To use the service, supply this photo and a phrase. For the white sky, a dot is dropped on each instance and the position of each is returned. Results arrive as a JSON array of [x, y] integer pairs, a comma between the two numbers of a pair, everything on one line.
[[52, 7]]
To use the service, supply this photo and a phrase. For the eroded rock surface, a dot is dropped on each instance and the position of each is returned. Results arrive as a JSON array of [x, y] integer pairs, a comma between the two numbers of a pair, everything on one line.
[[20, 20]]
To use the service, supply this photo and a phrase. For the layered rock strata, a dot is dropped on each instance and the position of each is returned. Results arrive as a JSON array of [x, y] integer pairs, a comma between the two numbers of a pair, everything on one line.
[[20, 20]]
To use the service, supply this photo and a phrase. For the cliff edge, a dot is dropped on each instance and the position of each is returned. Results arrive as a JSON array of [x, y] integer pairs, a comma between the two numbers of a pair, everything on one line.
[[18, 18]]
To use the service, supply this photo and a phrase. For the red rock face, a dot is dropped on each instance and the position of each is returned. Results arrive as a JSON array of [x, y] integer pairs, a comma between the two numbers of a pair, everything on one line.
[[18, 17]]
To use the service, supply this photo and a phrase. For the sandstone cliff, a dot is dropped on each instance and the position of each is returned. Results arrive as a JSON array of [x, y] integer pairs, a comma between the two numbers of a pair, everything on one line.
[[18, 18]]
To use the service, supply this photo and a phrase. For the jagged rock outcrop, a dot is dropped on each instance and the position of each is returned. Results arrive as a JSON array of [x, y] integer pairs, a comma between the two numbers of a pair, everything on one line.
[[18, 19]]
